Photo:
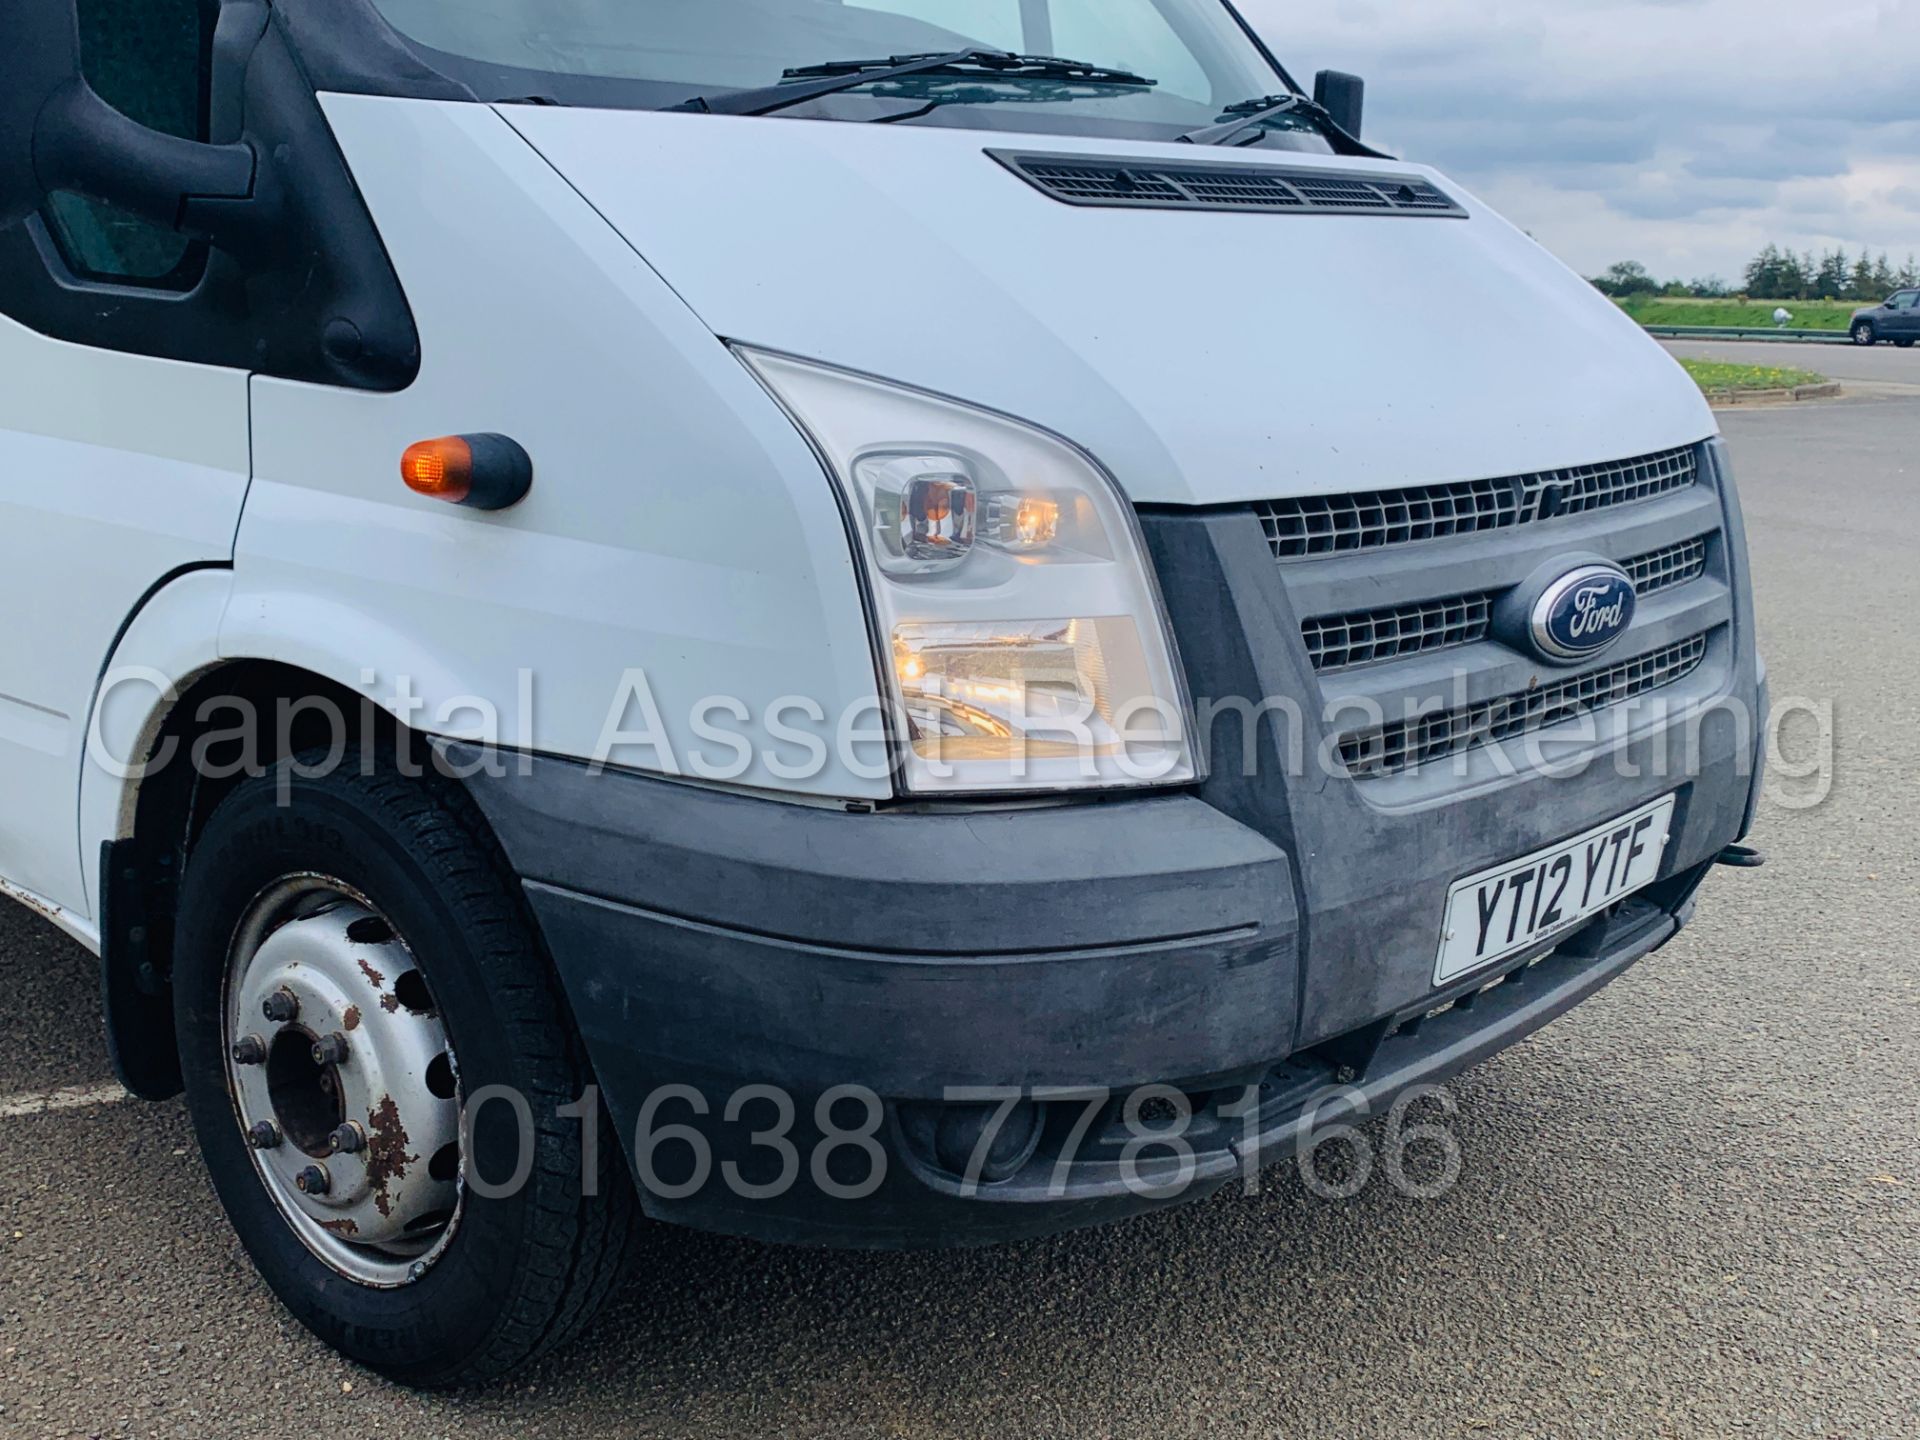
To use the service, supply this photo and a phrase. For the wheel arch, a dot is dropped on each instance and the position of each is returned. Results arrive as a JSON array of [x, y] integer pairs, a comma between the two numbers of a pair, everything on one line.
[[140, 800], [221, 723]]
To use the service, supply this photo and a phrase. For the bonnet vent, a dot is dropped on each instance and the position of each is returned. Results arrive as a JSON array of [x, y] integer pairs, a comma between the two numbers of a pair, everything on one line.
[[1148, 185]]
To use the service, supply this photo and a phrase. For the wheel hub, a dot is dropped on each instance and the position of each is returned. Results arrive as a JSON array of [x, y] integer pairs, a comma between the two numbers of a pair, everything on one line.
[[306, 1097], [357, 1078]]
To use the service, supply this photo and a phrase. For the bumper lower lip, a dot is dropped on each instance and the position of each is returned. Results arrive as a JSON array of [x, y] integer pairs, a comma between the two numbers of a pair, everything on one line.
[[1304, 1096], [920, 1204], [1092, 944], [714, 942]]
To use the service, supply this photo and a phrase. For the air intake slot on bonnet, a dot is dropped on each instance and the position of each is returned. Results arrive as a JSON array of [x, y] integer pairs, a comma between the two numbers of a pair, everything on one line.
[[1259, 189]]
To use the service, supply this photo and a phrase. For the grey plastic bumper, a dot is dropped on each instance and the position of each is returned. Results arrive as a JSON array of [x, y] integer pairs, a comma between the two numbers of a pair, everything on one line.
[[897, 950], [710, 943]]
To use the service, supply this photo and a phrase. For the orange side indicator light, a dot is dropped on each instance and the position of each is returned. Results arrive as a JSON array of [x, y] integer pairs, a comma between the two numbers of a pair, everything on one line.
[[484, 472], [439, 469]]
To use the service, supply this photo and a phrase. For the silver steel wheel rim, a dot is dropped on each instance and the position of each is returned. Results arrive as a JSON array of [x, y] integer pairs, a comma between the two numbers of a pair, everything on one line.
[[1863, 335], [329, 1024]]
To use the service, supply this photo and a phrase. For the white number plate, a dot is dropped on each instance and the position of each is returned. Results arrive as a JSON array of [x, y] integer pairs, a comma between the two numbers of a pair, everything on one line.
[[1501, 912]]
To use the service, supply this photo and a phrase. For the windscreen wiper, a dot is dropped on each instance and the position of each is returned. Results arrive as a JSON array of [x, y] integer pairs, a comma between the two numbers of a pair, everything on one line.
[[810, 82], [1249, 117]]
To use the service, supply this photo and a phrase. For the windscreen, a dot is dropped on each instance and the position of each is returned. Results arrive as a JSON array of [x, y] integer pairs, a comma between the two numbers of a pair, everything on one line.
[[580, 51]]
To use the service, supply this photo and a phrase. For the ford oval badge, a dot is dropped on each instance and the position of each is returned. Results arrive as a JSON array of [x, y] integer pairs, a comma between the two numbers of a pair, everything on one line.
[[1583, 612]]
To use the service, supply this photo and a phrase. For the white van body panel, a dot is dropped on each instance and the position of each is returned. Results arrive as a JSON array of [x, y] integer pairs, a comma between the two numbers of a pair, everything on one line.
[[119, 471], [167, 646], [1204, 357], [679, 526], [80, 927]]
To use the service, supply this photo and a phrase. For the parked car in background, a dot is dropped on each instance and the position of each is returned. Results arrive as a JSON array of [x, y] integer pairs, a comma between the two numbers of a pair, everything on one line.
[[1898, 320]]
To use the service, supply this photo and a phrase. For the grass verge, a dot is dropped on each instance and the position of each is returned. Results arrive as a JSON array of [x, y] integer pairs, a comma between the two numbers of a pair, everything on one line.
[[1741, 314], [1715, 376]]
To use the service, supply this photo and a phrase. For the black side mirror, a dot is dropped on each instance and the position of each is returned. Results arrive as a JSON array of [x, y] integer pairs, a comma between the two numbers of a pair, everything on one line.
[[1344, 97], [56, 133], [42, 57]]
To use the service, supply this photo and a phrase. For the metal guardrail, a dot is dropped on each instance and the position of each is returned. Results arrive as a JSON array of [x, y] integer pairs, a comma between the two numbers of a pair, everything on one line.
[[1779, 337]]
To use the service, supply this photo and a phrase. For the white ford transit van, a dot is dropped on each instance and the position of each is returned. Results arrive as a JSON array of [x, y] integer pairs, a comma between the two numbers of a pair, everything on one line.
[[801, 617]]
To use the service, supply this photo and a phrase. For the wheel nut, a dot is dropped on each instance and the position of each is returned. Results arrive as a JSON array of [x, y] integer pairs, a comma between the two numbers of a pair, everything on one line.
[[313, 1180], [331, 1050], [282, 1007], [264, 1136], [349, 1139], [249, 1050]]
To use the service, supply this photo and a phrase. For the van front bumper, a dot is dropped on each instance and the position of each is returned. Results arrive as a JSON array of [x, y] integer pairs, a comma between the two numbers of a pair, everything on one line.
[[882, 973]]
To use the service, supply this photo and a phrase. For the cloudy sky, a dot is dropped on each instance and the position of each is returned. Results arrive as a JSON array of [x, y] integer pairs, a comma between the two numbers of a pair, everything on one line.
[[1681, 133]]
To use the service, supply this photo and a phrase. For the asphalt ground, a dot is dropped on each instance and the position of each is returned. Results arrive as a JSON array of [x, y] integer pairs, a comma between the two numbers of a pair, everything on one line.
[[1689, 1208]]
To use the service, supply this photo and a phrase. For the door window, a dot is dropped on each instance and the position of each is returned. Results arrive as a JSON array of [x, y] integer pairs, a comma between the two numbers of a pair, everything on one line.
[[1906, 300], [148, 59]]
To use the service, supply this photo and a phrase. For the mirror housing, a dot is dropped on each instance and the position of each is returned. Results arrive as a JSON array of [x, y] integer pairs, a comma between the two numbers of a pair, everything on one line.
[[300, 286], [56, 133], [42, 58], [1344, 97]]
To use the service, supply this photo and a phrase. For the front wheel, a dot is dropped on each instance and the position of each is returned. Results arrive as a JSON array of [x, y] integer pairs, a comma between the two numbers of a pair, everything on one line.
[[1865, 334], [353, 966]]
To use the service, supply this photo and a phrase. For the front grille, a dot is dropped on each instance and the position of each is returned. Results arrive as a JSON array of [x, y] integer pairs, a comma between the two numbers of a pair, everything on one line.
[[1293, 190], [1310, 526], [1405, 745], [1664, 569], [1340, 642], [1337, 642]]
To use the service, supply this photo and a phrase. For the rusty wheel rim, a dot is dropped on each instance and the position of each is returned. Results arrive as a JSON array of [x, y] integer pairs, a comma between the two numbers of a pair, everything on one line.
[[344, 1080]]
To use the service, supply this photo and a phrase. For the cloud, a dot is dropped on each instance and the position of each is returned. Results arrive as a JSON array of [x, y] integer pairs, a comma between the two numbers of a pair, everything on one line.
[[1685, 134]]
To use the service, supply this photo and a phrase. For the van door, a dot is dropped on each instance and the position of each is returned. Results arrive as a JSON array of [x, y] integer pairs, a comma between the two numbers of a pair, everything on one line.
[[118, 468]]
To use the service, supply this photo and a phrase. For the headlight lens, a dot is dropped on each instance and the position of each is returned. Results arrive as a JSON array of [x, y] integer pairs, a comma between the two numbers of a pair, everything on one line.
[[1026, 645]]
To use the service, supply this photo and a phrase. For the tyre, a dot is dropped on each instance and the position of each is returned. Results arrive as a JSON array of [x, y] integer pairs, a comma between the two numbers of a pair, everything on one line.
[[1904, 344], [354, 964], [1865, 334]]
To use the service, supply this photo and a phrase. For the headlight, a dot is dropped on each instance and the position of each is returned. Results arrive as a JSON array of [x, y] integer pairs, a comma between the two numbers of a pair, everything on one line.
[[1024, 643]]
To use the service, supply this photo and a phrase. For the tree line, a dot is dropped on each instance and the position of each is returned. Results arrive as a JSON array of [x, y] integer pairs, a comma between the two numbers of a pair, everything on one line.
[[1777, 274]]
